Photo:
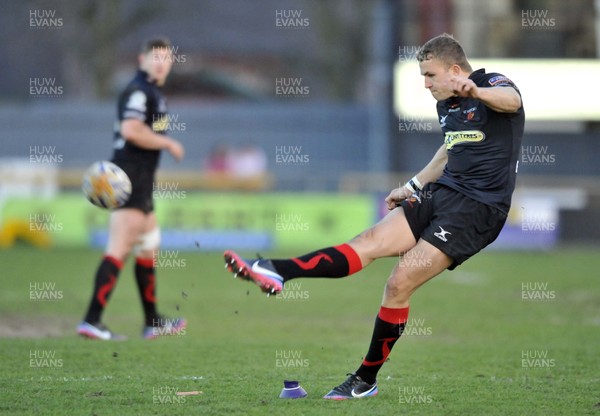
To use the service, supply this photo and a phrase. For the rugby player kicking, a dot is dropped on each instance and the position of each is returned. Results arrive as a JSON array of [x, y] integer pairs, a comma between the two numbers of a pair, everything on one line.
[[140, 135], [454, 207]]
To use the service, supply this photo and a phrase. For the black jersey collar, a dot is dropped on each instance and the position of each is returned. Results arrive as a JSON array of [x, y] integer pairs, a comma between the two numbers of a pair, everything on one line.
[[143, 75], [480, 71]]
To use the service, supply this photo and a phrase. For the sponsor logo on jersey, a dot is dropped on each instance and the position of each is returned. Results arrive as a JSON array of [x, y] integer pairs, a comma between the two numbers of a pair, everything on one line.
[[161, 123], [500, 80], [453, 138]]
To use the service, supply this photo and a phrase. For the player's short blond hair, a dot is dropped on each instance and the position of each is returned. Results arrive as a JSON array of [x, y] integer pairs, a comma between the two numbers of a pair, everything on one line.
[[446, 49]]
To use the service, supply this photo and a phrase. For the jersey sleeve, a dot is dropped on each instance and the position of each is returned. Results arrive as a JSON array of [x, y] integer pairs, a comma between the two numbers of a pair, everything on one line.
[[498, 80], [135, 105]]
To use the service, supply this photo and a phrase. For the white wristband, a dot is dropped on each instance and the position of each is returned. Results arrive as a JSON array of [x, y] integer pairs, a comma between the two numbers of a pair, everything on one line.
[[413, 185], [417, 183]]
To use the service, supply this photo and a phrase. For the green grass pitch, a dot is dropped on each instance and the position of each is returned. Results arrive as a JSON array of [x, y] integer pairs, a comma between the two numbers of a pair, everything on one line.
[[505, 334]]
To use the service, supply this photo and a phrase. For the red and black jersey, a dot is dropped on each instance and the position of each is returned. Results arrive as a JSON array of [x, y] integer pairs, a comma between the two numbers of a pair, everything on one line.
[[483, 145], [142, 100]]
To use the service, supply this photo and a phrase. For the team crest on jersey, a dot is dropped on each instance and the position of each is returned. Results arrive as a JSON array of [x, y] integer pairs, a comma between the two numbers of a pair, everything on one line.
[[470, 113], [453, 138], [414, 198]]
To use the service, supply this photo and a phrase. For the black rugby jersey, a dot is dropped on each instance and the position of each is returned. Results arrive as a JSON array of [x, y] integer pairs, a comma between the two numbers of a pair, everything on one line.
[[483, 145], [144, 101]]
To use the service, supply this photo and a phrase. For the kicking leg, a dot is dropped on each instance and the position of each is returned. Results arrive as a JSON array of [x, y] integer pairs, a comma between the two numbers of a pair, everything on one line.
[[385, 239]]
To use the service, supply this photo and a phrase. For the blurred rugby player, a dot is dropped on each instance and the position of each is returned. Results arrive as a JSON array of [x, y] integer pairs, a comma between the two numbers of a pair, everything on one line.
[[139, 138]]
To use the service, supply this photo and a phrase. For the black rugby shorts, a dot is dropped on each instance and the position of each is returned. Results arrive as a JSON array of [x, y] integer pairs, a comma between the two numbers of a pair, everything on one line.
[[142, 181], [454, 223]]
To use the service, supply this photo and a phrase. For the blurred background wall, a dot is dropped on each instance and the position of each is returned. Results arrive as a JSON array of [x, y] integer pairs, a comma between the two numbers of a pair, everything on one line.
[[295, 95]]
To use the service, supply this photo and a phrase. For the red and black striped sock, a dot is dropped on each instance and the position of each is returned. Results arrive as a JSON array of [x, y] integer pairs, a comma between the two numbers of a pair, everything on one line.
[[106, 279], [389, 325], [338, 261], [146, 282]]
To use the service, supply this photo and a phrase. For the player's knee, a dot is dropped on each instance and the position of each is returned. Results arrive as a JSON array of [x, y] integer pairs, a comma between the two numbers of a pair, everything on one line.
[[148, 243], [118, 249], [120, 255], [399, 287]]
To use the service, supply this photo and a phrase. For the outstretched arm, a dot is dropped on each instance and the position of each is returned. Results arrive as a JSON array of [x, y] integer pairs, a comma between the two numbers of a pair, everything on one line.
[[429, 173]]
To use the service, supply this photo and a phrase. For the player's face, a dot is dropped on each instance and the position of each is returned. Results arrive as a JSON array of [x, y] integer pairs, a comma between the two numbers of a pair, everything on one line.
[[437, 78], [157, 63]]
